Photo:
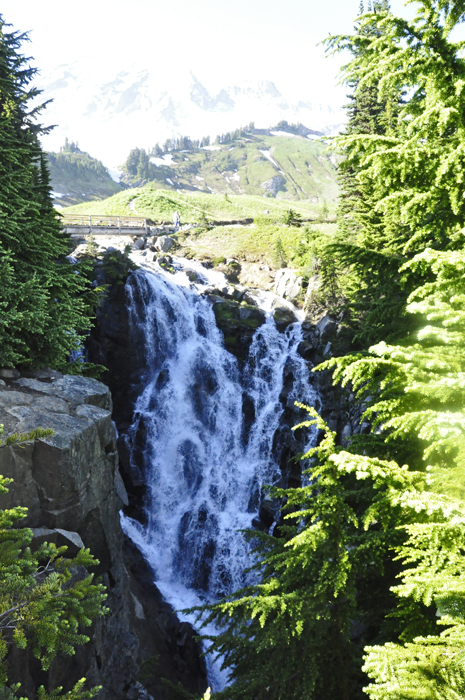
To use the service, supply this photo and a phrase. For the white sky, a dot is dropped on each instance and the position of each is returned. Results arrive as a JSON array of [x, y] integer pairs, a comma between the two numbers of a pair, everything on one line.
[[222, 41]]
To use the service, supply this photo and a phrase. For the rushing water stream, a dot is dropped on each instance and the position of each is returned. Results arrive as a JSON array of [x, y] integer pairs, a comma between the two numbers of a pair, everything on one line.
[[205, 463]]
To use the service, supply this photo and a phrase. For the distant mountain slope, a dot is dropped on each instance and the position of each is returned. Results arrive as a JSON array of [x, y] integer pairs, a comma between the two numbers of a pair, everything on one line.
[[274, 164], [77, 177], [112, 111]]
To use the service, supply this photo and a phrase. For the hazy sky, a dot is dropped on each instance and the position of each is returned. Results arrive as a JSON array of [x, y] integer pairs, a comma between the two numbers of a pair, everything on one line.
[[220, 40]]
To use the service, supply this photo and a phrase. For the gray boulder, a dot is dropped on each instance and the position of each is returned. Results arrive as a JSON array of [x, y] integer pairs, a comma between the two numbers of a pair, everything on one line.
[[283, 317], [287, 284], [8, 373], [139, 243], [164, 244], [58, 537], [151, 256], [327, 328]]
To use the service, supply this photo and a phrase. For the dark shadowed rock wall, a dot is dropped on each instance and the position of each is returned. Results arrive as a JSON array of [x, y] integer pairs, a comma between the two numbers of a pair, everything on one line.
[[73, 490]]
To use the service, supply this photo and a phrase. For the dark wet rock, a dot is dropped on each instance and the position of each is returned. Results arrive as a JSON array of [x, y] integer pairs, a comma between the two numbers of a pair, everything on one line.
[[167, 647], [231, 270], [60, 538], [306, 350], [283, 317], [327, 328], [269, 511], [238, 322]]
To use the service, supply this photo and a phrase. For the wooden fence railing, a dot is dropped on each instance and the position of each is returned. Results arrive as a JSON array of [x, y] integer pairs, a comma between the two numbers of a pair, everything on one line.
[[95, 221]]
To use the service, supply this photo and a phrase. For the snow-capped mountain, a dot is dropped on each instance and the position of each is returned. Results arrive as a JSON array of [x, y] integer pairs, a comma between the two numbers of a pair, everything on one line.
[[109, 111]]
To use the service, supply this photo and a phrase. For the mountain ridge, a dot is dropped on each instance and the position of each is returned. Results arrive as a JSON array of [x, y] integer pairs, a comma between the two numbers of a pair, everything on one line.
[[278, 164], [106, 110]]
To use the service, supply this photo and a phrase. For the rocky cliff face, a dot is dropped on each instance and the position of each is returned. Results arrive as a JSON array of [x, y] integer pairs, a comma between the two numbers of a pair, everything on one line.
[[73, 490]]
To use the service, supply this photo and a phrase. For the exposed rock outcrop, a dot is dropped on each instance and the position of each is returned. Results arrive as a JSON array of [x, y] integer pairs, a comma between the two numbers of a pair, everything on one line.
[[231, 270], [238, 321], [71, 485], [274, 184], [287, 284]]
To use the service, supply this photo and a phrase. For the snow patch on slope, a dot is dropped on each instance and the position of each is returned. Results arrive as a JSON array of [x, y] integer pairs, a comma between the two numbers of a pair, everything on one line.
[[166, 159], [284, 133], [267, 155]]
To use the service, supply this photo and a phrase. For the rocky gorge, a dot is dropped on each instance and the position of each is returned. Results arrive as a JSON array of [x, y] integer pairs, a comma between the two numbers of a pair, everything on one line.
[[98, 461]]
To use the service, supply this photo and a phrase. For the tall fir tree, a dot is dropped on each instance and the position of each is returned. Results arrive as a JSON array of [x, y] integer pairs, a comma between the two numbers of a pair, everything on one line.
[[410, 174], [365, 249], [43, 305], [414, 391]]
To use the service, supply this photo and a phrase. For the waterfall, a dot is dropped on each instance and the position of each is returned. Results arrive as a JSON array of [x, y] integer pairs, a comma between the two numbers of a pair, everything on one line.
[[205, 458]]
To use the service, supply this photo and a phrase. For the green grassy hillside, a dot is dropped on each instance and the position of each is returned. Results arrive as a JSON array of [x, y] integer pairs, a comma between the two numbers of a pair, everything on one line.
[[282, 167], [254, 245], [77, 177], [160, 204]]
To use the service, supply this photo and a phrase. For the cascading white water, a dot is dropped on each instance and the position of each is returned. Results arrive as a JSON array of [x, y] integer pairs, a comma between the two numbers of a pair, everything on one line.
[[204, 463]]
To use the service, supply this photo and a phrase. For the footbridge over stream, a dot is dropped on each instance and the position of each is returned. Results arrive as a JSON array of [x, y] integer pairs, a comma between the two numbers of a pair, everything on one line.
[[97, 225], [102, 225]]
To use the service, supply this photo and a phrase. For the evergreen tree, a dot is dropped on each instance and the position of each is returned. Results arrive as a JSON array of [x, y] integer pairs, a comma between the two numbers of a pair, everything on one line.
[[279, 254], [415, 389], [324, 211], [366, 248], [430, 667], [415, 396], [289, 635], [132, 161], [292, 218], [156, 151], [143, 166], [402, 177], [43, 309], [419, 156]]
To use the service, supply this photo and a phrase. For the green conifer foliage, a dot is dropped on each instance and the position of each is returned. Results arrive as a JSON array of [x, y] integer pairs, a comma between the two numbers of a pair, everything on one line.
[[43, 313], [402, 178], [288, 636], [429, 667], [279, 254], [418, 162], [365, 249], [417, 388], [292, 218], [416, 392]]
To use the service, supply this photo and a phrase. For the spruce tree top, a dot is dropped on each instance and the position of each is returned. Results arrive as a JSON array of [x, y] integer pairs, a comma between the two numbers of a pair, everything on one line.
[[43, 307]]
